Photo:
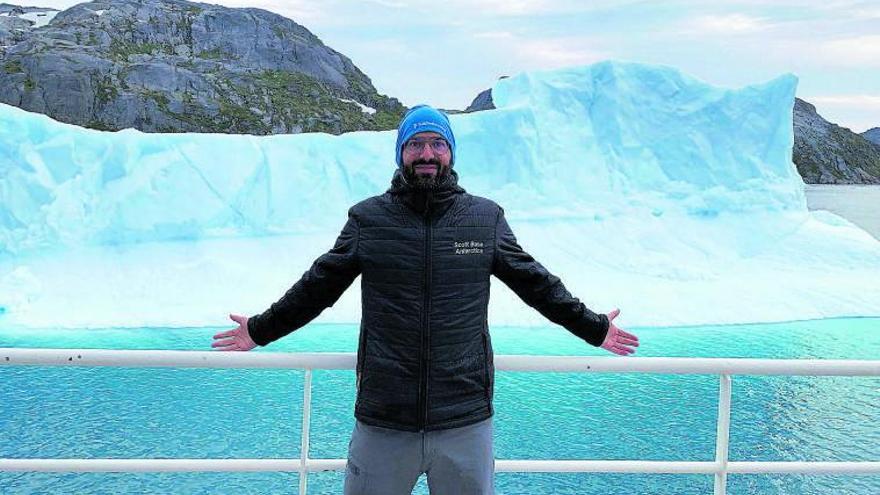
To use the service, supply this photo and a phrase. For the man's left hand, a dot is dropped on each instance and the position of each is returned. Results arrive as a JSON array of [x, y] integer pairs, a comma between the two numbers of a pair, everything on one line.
[[618, 341]]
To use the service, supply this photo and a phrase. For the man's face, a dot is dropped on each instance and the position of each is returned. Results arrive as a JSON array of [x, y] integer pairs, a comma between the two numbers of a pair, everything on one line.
[[426, 158]]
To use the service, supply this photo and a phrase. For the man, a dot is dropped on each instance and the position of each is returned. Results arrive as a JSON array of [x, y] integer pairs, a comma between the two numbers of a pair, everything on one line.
[[425, 372]]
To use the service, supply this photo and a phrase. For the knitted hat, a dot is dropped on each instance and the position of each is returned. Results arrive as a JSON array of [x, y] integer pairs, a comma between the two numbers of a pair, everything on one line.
[[424, 118]]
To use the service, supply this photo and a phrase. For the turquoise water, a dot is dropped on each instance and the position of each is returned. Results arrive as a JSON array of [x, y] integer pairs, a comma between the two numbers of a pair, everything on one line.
[[170, 413]]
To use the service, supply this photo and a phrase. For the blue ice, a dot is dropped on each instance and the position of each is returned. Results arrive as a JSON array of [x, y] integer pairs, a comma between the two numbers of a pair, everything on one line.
[[643, 188]]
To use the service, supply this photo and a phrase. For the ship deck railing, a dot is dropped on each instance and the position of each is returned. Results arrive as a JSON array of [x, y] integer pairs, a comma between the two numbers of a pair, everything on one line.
[[720, 467]]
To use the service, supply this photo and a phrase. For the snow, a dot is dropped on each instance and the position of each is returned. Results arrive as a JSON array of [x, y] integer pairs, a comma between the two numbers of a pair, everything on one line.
[[99, 12], [39, 19], [363, 107], [644, 189]]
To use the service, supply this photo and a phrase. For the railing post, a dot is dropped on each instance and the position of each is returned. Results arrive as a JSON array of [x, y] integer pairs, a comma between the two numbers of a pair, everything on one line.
[[304, 449], [722, 436]]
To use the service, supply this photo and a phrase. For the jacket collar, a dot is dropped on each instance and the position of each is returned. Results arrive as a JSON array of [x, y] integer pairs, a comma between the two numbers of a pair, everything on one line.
[[423, 201]]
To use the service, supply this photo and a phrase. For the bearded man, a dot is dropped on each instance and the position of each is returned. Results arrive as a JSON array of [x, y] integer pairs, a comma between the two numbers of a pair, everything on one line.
[[425, 375]]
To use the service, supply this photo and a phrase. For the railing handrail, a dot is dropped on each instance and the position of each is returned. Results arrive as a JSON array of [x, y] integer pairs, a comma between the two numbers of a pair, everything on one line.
[[508, 362], [146, 465], [720, 467]]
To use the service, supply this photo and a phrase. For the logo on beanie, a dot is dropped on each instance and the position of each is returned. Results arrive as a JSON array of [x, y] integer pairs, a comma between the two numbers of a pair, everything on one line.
[[416, 125]]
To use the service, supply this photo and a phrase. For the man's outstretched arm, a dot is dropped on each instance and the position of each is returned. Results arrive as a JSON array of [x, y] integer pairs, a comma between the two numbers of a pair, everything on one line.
[[545, 292], [319, 288]]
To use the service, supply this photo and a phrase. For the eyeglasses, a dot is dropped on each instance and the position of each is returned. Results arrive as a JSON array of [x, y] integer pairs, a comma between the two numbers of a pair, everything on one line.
[[414, 146]]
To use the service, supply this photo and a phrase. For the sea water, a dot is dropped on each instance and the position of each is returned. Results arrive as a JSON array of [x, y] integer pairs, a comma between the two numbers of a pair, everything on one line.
[[858, 203], [100, 412]]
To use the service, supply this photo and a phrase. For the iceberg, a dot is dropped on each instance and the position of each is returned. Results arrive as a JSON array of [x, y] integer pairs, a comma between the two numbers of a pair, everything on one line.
[[643, 188]]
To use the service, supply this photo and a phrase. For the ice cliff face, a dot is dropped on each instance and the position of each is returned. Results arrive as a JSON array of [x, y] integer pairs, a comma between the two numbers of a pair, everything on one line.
[[641, 187], [624, 135], [823, 152], [585, 143]]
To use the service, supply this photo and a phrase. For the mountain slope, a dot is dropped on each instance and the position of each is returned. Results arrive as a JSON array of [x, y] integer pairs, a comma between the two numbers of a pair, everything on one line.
[[179, 66], [826, 153], [872, 135]]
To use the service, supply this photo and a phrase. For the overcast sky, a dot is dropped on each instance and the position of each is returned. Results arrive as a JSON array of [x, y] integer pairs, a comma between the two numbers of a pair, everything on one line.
[[445, 52]]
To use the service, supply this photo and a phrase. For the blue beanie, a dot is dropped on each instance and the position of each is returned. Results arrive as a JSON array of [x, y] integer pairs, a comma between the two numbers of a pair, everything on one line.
[[423, 118]]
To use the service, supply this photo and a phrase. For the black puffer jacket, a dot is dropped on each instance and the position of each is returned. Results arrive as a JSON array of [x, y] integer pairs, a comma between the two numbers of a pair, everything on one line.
[[424, 356]]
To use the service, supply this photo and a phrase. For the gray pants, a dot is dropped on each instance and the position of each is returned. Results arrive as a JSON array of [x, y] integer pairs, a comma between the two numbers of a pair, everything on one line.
[[458, 461]]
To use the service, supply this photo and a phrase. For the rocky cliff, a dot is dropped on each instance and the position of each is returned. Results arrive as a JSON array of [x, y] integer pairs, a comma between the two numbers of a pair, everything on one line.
[[872, 135], [826, 153], [179, 66]]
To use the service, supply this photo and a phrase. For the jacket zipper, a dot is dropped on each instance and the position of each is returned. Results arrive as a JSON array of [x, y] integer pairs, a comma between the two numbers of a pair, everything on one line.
[[426, 320], [486, 364], [362, 349]]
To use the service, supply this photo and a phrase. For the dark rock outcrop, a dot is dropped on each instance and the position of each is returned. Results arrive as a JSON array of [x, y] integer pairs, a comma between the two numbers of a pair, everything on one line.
[[180, 66], [872, 135], [826, 153], [483, 101]]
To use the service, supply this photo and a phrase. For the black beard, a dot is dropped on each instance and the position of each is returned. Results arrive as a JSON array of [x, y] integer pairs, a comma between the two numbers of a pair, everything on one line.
[[424, 181]]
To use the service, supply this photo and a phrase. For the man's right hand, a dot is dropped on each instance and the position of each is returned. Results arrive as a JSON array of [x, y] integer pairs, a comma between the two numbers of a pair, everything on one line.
[[237, 339]]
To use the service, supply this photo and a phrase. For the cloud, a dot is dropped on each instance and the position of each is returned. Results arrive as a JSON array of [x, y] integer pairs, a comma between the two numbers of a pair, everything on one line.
[[386, 46], [858, 112], [858, 9], [863, 51], [852, 101], [866, 13], [542, 53], [502, 7], [396, 4], [724, 25], [557, 52], [494, 35], [521, 8]]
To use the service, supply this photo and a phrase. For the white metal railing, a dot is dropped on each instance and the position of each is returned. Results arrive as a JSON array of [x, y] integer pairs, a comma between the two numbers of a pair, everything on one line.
[[723, 367]]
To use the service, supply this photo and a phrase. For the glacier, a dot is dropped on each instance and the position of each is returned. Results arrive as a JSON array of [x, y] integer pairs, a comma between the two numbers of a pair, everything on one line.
[[643, 188]]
